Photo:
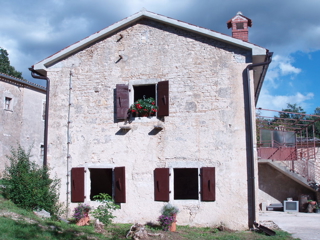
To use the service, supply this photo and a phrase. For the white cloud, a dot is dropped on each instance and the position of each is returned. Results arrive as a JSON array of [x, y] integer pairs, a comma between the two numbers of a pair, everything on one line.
[[279, 102]]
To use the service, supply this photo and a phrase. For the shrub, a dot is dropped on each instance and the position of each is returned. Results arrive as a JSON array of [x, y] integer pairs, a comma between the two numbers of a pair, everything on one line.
[[28, 185], [104, 212]]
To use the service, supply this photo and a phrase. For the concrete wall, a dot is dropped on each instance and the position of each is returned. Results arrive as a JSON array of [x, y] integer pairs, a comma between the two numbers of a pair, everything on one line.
[[275, 187], [206, 126], [22, 123]]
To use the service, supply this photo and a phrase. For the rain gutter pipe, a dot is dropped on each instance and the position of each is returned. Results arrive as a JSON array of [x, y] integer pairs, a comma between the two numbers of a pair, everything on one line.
[[250, 136], [40, 76]]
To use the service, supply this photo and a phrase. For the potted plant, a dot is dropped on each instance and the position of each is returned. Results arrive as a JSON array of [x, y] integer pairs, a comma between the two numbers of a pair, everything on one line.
[[143, 107], [168, 217], [81, 214]]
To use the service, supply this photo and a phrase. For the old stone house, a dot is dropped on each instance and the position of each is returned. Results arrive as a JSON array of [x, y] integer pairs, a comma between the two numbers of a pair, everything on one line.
[[22, 118], [197, 152]]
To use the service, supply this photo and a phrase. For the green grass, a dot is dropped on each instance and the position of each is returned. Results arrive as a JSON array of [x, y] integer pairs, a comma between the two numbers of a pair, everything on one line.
[[22, 224]]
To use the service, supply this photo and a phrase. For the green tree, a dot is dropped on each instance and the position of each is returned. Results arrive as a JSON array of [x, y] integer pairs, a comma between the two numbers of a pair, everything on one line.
[[5, 66]]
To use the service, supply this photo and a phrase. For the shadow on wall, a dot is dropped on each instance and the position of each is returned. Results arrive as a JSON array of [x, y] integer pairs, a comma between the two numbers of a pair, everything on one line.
[[278, 186]]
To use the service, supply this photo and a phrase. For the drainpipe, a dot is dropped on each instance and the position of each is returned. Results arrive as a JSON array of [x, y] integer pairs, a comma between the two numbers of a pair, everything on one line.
[[250, 137], [38, 75]]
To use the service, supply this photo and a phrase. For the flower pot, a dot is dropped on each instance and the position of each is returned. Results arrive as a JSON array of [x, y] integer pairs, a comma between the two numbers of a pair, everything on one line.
[[173, 227], [83, 221], [317, 210]]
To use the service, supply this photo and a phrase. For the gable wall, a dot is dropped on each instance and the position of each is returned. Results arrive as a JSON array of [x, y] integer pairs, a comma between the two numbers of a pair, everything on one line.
[[205, 127]]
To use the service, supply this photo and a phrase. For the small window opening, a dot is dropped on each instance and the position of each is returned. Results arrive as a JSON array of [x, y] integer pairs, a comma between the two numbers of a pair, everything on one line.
[[144, 91], [7, 103], [186, 183], [101, 181], [240, 25]]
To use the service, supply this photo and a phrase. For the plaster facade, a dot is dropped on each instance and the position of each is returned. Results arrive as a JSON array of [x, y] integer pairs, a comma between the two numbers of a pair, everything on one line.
[[205, 126], [21, 122]]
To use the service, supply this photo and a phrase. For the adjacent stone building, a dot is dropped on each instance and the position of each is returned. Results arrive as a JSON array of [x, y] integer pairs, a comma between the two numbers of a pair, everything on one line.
[[197, 152], [22, 117]]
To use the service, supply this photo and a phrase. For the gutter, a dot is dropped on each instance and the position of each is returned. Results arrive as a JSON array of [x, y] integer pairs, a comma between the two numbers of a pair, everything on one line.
[[250, 137], [40, 76]]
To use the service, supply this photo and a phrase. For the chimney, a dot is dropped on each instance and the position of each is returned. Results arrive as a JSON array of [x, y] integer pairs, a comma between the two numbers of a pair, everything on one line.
[[239, 25]]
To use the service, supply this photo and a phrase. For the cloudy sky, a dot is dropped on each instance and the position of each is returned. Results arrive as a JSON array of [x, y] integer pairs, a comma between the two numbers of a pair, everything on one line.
[[34, 30]]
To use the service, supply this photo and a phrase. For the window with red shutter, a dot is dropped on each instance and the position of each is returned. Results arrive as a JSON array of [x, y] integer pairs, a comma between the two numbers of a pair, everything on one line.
[[77, 184], [161, 184], [122, 100], [208, 184], [120, 185], [163, 99]]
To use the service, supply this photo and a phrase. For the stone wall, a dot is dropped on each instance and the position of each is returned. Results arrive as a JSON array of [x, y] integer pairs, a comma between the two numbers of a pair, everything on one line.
[[205, 128], [22, 123]]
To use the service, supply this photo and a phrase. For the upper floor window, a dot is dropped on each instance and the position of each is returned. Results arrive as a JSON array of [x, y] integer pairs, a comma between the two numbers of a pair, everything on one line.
[[142, 89], [8, 103]]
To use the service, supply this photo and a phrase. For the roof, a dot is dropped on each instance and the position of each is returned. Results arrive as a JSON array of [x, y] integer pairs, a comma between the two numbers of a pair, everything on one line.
[[21, 82], [42, 65]]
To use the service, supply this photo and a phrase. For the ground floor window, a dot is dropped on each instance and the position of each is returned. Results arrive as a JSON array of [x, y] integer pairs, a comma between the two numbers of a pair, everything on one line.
[[186, 183], [101, 181]]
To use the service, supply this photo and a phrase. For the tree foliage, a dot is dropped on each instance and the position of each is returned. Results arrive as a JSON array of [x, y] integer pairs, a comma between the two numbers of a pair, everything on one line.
[[5, 66], [28, 185]]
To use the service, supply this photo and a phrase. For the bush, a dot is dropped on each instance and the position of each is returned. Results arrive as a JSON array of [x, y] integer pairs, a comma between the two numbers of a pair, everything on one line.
[[104, 211], [28, 185]]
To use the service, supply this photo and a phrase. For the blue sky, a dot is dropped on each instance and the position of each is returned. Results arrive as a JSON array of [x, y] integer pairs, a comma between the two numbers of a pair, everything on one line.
[[34, 30]]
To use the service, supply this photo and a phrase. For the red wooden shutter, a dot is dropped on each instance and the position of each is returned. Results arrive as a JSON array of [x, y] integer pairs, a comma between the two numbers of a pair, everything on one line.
[[163, 98], [122, 100], [77, 184], [120, 185], [161, 184], [208, 184]]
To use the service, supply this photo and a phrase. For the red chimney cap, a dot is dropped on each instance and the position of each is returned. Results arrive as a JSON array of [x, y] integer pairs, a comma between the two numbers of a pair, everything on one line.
[[229, 23]]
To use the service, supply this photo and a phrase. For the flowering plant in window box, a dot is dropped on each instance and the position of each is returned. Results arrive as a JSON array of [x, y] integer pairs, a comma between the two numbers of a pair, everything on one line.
[[143, 107]]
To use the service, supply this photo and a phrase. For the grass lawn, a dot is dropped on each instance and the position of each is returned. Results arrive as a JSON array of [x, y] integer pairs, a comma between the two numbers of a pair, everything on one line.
[[16, 223]]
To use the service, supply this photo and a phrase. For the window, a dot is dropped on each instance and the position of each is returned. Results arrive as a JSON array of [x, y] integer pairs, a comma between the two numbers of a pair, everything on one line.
[[43, 110], [8, 103], [98, 176], [127, 94], [102, 180], [240, 25], [185, 184], [41, 152]]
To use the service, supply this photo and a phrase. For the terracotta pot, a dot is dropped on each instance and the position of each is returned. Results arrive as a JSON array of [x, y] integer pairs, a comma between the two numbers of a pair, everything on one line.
[[173, 226], [313, 202]]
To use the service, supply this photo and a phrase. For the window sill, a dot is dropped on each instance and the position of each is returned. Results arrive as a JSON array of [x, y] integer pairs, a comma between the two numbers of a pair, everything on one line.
[[144, 119]]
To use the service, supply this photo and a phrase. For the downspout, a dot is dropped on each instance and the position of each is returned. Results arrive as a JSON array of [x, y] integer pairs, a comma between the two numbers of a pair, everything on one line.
[[40, 76], [250, 137]]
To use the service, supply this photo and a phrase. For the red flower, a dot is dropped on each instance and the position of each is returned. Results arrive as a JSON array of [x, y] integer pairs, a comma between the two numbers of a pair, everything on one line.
[[155, 110], [138, 106], [133, 110], [152, 103]]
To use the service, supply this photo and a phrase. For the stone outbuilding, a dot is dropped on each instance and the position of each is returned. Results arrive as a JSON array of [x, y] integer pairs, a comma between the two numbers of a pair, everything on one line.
[[195, 149], [22, 118]]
